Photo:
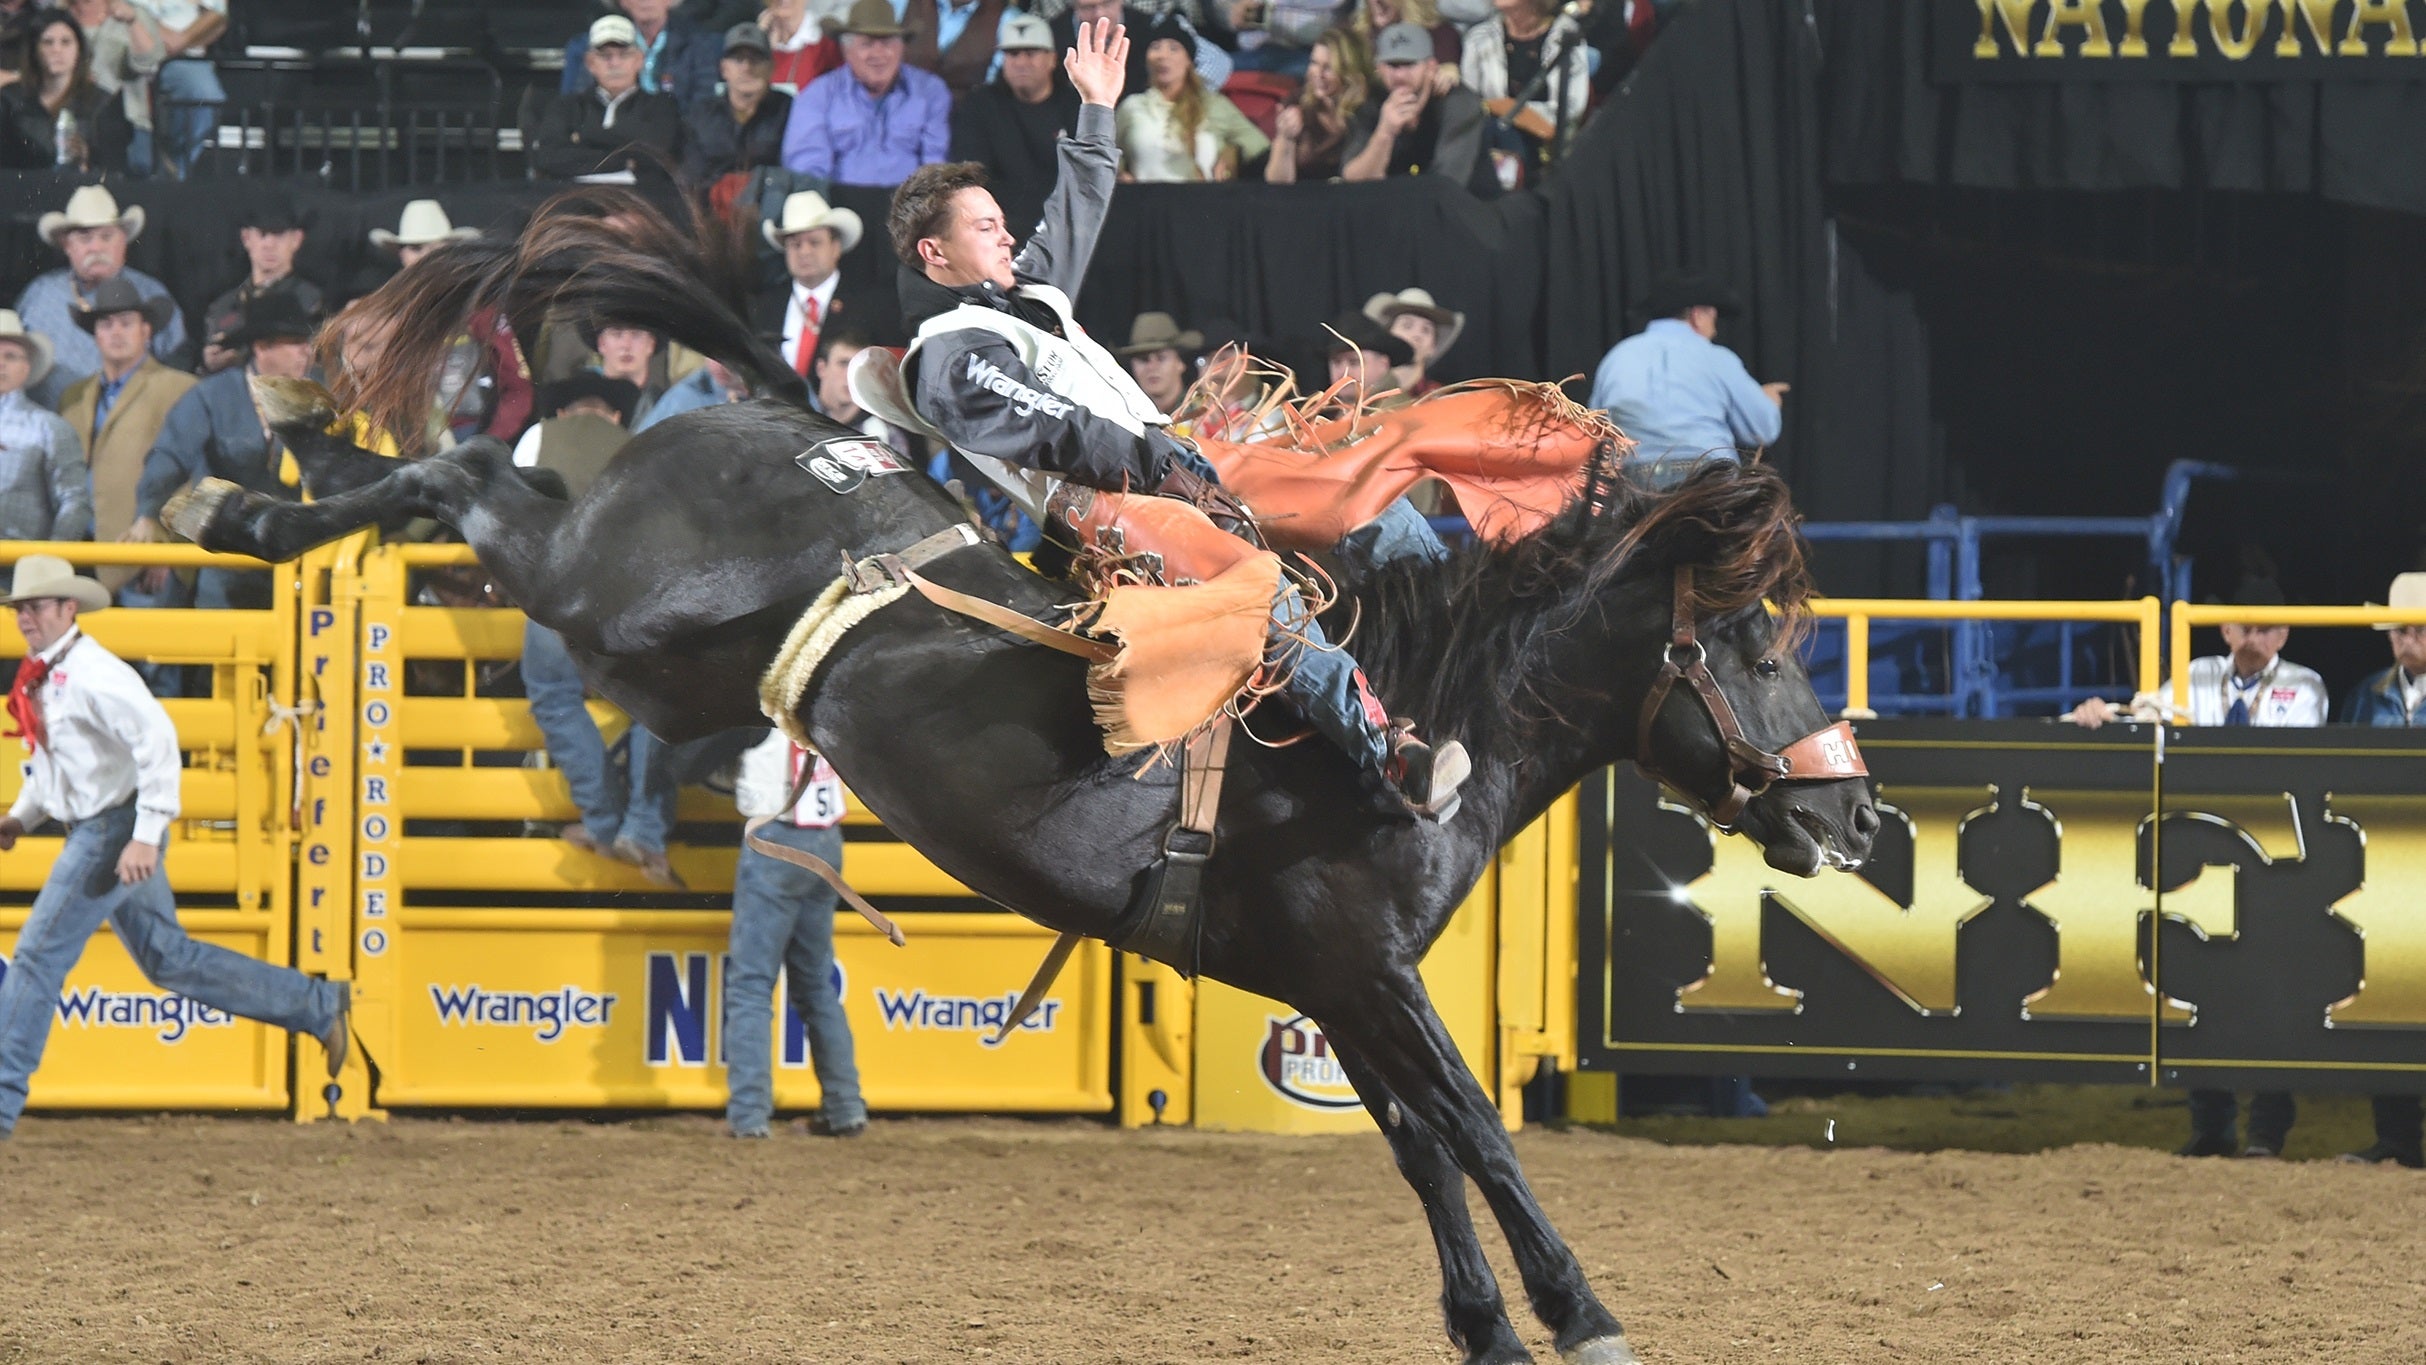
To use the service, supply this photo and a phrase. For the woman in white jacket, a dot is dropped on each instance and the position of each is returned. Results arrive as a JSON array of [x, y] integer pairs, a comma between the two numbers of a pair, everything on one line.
[[1503, 54]]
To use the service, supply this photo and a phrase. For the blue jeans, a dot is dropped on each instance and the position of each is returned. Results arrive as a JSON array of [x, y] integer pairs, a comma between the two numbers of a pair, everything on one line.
[[83, 890], [1325, 684], [164, 680], [783, 917], [185, 113], [639, 808]]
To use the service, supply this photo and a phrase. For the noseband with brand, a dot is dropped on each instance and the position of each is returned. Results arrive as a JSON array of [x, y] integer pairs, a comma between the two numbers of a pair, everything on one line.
[[1824, 755]]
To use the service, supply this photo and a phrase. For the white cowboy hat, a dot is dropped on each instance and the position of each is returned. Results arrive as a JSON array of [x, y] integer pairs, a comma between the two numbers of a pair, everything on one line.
[[806, 212], [2408, 590], [42, 577], [38, 346], [91, 206], [1445, 322], [424, 222]]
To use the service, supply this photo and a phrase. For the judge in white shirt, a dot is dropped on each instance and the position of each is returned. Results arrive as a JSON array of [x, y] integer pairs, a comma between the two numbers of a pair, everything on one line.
[[105, 766], [783, 920], [814, 236]]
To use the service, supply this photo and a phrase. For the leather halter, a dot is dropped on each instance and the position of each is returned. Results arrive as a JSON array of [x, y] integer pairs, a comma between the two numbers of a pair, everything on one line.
[[1824, 755]]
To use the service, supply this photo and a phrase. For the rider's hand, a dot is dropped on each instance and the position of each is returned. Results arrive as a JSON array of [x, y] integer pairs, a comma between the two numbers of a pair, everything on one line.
[[11, 830], [1099, 64]]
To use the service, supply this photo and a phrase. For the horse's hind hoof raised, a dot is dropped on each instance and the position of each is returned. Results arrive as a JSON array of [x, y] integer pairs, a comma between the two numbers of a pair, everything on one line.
[[191, 512], [1601, 1351], [286, 402]]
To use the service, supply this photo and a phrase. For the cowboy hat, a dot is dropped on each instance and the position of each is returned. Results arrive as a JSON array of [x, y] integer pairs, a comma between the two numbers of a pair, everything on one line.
[[1675, 291], [424, 223], [90, 206], [117, 295], [808, 211], [620, 394], [1447, 323], [1153, 332], [1354, 331], [2408, 592], [39, 578], [873, 19], [276, 314], [37, 346]]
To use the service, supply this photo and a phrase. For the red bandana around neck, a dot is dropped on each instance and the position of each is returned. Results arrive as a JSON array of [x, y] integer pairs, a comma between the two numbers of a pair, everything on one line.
[[22, 707]]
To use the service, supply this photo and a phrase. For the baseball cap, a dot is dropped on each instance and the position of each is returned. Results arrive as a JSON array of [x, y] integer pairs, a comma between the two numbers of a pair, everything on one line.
[[745, 36], [1026, 33], [614, 28], [1400, 44]]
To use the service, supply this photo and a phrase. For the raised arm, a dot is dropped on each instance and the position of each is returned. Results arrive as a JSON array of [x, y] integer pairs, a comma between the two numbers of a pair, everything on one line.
[[1057, 254]]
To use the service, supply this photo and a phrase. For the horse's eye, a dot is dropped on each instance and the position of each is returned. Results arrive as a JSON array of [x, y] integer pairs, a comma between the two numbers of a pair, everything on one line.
[[1767, 668]]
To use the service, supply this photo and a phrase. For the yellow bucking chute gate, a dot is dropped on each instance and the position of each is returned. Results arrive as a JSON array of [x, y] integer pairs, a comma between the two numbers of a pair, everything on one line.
[[358, 805]]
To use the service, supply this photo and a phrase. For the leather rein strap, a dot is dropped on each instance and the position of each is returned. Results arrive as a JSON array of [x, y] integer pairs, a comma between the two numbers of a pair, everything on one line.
[[1203, 764], [902, 567], [1824, 755]]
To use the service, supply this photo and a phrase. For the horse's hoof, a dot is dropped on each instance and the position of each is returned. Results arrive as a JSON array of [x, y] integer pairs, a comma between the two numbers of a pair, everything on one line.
[[1601, 1351], [192, 510], [286, 402]]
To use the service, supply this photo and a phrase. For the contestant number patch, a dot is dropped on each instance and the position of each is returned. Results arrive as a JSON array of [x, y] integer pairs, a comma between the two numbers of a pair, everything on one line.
[[843, 465]]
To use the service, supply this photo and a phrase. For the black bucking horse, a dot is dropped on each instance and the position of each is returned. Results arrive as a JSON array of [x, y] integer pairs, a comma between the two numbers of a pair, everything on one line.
[[677, 575]]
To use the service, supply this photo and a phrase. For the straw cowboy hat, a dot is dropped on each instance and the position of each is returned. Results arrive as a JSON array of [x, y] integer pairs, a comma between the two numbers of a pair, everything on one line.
[[2408, 590], [1446, 323], [40, 578], [808, 211], [1159, 332], [116, 295], [424, 223], [38, 346], [91, 206]]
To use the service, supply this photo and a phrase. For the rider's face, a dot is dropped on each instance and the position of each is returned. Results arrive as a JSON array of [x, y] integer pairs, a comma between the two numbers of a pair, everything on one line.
[[974, 246]]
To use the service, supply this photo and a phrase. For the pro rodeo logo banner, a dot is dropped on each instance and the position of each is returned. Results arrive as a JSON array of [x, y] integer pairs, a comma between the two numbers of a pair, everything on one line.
[[2177, 40], [2227, 907]]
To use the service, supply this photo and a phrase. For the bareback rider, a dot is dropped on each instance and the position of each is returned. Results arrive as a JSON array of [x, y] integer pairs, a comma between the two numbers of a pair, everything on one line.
[[1003, 371]]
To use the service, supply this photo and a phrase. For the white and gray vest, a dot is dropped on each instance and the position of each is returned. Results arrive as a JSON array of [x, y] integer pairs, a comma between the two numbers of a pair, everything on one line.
[[1072, 366]]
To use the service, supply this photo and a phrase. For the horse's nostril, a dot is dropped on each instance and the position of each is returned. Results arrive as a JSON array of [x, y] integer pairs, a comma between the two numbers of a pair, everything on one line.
[[1865, 820]]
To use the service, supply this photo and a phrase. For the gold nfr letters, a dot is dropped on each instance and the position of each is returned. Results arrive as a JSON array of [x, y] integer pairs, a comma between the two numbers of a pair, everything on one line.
[[2387, 911], [2234, 30]]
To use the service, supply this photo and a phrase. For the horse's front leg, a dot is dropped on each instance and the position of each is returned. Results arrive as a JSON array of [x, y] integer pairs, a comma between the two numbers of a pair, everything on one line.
[[1470, 1301], [1391, 1025]]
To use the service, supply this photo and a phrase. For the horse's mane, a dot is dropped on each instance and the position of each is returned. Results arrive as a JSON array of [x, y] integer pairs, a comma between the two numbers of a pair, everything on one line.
[[591, 256], [1467, 645]]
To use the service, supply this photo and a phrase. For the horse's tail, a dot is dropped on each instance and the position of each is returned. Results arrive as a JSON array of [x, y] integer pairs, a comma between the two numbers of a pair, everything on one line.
[[589, 257]]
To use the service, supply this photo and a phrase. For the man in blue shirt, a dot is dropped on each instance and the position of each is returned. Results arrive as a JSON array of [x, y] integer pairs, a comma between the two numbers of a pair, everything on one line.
[[875, 120], [1677, 392]]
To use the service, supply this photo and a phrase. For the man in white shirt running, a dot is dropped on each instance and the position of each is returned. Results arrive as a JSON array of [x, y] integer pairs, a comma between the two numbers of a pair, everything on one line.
[[105, 766]]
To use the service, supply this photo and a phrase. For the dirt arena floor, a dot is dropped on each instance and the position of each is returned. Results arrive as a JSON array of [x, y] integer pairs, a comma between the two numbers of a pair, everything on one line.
[[213, 1239]]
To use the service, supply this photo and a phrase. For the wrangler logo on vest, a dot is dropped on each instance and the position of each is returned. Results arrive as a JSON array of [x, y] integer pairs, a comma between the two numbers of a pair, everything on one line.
[[985, 374]]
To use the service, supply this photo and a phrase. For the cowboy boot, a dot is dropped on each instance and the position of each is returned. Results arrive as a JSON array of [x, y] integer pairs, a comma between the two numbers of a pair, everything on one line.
[[1427, 776]]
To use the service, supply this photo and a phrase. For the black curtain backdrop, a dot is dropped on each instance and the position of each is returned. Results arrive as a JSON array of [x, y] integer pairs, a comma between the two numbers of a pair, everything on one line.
[[1892, 238], [2353, 141]]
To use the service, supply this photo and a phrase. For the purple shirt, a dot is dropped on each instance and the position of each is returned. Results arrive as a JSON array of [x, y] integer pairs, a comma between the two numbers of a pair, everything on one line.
[[838, 131]]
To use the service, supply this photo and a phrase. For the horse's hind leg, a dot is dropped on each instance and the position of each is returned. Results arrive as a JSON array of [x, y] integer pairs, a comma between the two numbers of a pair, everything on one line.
[[1470, 1301], [1391, 1026]]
